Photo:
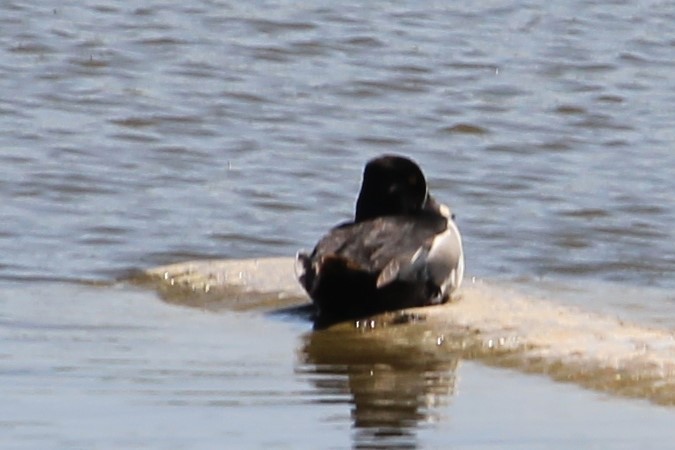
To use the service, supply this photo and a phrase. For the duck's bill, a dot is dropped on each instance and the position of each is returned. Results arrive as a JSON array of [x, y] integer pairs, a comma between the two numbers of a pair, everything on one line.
[[431, 205]]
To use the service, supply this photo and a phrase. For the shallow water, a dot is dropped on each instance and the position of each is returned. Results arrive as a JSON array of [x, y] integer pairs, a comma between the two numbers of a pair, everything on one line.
[[134, 136], [109, 367]]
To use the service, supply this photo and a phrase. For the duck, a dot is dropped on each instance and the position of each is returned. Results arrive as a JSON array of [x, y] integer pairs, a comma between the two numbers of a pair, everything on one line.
[[402, 249]]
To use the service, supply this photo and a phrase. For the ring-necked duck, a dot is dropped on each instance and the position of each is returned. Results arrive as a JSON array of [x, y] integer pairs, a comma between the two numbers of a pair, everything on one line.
[[402, 249]]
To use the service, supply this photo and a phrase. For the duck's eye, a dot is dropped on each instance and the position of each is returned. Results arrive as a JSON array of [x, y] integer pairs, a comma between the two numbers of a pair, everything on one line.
[[413, 180]]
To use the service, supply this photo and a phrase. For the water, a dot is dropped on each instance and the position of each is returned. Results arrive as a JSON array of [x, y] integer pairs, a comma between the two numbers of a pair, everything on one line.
[[138, 135]]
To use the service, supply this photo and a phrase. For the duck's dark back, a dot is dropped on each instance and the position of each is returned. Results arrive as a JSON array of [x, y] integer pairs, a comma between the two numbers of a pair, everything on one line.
[[341, 273], [368, 246]]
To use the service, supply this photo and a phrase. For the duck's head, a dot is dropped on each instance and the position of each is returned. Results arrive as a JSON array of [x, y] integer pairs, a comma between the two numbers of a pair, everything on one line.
[[393, 185]]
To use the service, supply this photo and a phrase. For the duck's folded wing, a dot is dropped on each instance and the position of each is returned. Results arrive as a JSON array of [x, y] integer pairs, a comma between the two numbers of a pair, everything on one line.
[[371, 245], [439, 261]]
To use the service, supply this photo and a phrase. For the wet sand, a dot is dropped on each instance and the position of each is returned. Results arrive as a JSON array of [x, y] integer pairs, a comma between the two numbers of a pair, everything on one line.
[[490, 322]]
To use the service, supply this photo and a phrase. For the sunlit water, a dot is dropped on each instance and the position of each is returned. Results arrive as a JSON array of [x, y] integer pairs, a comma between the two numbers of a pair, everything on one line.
[[136, 135]]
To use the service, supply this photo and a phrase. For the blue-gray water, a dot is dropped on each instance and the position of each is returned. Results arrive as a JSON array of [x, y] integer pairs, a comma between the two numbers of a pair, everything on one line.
[[133, 135]]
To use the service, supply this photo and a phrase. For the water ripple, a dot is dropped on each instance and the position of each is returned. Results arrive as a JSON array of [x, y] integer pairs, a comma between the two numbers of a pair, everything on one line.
[[224, 124]]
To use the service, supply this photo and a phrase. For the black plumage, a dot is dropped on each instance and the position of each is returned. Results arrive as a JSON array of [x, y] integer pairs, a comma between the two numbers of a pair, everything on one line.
[[378, 262]]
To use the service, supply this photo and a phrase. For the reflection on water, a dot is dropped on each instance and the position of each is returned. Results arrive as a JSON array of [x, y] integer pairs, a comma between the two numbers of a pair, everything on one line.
[[393, 389], [497, 323]]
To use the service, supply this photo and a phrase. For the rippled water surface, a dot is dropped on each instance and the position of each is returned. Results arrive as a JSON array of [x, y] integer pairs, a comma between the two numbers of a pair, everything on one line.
[[133, 135]]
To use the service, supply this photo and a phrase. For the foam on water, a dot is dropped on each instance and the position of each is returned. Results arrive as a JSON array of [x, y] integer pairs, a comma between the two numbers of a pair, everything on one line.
[[494, 323]]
